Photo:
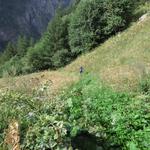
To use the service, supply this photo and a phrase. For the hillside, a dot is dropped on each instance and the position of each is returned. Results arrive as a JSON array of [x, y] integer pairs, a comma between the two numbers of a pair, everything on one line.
[[121, 61], [107, 107], [27, 17]]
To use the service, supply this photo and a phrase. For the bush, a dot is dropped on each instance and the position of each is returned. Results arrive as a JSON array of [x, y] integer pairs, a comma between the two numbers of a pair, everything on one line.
[[9, 52]]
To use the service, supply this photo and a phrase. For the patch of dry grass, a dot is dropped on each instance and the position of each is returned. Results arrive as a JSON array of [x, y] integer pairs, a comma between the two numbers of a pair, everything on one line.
[[28, 83], [12, 138]]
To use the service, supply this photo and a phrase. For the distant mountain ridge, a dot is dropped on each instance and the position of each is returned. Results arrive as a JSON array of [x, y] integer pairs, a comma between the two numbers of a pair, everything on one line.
[[26, 17]]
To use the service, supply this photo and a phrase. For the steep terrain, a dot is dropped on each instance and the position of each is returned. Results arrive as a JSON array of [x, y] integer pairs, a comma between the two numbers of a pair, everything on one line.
[[59, 109], [122, 62], [29, 17]]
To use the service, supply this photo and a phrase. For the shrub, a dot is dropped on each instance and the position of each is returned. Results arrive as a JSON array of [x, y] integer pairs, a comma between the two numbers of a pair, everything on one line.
[[144, 85]]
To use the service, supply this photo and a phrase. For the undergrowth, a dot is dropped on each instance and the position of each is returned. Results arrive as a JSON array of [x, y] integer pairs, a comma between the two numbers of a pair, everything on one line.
[[115, 120], [144, 86]]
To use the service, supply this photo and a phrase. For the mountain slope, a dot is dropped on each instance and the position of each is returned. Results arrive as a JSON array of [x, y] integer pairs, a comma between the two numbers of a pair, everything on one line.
[[29, 17], [122, 58], [121, 61]]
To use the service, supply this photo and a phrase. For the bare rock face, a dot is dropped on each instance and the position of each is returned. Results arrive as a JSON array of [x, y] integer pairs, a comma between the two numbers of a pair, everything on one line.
[[144, 17], [26, 17]]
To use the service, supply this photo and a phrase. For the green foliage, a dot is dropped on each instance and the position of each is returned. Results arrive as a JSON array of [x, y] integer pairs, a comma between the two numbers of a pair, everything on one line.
[[116, 117], [12, 67], [47, 132], [15, 106], [91, 22], [144, 85], [9, 52], [41, 122], [13, 61], [94, 21], [143, 7], [116, 120], [53, 50], [22, 45]]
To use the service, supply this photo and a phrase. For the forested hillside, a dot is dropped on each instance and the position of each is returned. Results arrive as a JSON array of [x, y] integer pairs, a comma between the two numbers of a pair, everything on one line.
[[71, 32]]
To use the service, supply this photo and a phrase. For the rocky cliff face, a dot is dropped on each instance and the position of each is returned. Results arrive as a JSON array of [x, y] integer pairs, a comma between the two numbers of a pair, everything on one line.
[[29, 17]]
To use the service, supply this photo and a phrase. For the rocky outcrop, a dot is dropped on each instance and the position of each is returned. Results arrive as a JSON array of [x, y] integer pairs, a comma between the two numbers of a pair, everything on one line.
[[29, 17], [144, 17]]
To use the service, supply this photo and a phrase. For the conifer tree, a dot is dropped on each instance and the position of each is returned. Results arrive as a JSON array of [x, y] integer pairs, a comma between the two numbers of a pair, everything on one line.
[[22, 45], [53, 49], [9, 52]]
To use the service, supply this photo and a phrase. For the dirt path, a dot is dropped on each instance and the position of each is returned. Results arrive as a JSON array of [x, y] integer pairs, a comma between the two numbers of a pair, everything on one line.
[[55, 79]]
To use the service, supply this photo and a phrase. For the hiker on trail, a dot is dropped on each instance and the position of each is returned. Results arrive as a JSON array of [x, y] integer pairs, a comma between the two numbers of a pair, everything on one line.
[[81, 70]]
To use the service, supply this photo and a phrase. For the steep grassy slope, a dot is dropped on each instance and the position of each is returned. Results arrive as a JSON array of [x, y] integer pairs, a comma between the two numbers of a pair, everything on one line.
[[121, 61], [123, 58]]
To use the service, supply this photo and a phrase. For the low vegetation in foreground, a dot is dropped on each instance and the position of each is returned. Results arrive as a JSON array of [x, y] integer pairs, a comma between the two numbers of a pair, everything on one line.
[[87, 116]]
